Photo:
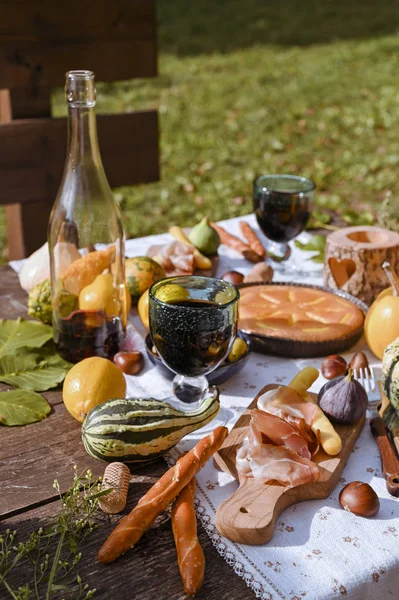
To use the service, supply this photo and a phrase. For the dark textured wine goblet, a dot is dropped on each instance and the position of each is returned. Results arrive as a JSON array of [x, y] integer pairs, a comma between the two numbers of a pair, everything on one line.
[[282, 205], [193, 322]]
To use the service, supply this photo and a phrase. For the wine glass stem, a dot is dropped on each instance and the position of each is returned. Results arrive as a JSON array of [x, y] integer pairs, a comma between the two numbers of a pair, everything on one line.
[[190, 390], [279, 251]]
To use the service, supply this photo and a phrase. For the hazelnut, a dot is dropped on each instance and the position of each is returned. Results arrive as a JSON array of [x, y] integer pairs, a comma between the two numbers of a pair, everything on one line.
[[333, 366], [233, 277], [360, 499], [359, 361], [130, 363]]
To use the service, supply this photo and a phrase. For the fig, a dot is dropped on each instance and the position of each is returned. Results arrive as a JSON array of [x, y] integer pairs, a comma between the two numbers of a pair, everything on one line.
[[204, 237], [343, 399]]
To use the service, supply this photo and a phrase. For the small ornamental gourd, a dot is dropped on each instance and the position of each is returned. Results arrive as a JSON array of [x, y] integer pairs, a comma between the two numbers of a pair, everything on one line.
[[390, 373], [381, 326], [141, 272], [140, 429]]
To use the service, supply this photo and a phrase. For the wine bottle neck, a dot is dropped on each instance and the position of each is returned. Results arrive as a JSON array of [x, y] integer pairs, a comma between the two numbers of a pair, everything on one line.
[[82, 137]]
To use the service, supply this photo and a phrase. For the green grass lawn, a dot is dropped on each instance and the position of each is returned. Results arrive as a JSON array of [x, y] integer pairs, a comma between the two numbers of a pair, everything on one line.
[[252, 87]]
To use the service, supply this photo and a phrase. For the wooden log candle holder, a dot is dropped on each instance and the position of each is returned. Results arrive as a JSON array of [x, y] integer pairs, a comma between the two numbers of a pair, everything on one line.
[[354, 257]]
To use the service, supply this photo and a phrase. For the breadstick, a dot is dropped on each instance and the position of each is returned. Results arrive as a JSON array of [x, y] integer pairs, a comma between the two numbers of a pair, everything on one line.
[[190, 555], [252, 239], [234, 242], [130, 529]]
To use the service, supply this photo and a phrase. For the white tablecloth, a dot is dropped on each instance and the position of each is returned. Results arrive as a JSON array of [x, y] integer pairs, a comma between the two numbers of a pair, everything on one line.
[[318, 551]]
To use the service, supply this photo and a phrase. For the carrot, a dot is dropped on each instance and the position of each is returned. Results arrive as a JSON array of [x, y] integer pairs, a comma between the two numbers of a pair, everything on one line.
[[157, 499], [190, 555], [252, 239], [234, 242]]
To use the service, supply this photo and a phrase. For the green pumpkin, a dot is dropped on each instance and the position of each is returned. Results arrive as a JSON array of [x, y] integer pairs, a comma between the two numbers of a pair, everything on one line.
[[390, 373]]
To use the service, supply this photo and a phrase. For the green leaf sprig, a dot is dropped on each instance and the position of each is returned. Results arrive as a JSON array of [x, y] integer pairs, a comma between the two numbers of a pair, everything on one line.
[[317, 244], [30, 363], [50, 556]]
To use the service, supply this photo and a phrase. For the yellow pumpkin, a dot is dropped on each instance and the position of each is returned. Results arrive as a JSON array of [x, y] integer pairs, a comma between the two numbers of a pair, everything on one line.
[[381, 326]]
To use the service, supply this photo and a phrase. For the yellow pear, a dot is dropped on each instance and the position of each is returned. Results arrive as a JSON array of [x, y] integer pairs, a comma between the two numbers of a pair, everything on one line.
[[101, 295]]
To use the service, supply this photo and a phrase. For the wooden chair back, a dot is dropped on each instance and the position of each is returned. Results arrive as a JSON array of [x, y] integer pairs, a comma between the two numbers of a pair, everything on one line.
[[39, 41]]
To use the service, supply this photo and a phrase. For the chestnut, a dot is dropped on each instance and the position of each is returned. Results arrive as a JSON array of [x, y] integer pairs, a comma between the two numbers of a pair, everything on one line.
[[261, 272], [233, 277], [359, 361], [130, 363], [360, 499], [333, 366]]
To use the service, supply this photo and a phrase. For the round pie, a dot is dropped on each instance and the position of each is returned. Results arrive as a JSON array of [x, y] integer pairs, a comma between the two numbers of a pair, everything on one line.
[[297, 313]]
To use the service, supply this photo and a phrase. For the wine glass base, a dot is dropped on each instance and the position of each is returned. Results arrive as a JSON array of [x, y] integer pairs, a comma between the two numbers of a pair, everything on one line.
[[221, 418], [278, 253]]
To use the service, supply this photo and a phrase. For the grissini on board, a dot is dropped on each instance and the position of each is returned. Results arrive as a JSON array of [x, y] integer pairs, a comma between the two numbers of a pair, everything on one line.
[[252, 239], [234, 242], [130, 529], [190, 555]]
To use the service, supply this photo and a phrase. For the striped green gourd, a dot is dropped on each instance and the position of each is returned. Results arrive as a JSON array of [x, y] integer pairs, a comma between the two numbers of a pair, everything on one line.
[[390, 373], [140, 429]]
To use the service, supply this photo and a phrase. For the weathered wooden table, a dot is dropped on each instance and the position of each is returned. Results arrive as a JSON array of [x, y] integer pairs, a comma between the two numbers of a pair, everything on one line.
[[31, 457]]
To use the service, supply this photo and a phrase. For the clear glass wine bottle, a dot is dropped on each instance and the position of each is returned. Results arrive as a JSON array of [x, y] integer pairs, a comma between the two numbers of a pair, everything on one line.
[[86, 240]]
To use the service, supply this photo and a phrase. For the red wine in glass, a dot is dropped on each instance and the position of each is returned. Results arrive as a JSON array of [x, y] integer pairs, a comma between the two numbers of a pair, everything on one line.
[[282, 205]]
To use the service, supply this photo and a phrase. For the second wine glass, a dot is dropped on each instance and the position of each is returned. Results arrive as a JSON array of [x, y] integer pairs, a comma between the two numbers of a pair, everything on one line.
[[282, 205]]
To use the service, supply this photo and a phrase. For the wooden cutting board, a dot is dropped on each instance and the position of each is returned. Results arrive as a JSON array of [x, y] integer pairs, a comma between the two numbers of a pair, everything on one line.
[[249, 516]]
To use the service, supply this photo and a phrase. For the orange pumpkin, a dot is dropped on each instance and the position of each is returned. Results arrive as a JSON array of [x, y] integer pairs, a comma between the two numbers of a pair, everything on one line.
[[381, 326]]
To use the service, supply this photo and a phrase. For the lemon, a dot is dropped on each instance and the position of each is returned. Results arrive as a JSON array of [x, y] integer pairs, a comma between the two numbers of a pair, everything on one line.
[[90, 382], [172, 292], [142, 308]]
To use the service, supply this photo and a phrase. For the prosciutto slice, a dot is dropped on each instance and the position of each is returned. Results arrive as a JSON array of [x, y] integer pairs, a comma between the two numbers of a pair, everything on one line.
[[284, 401], [292, 434], [266, 462], [280, 441], [176, 258]]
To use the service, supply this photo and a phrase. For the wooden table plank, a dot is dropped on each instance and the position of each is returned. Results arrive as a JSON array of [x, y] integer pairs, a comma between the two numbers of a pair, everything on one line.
[[149, 570]]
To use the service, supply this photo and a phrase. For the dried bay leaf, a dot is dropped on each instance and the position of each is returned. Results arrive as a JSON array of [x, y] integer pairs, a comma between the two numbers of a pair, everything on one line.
[[20, 407], [15, 334]]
